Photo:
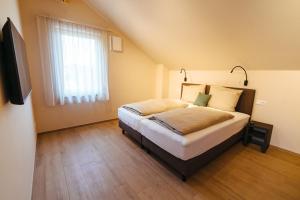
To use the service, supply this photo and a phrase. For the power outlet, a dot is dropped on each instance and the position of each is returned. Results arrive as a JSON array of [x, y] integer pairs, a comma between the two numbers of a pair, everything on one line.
[[261, 102]]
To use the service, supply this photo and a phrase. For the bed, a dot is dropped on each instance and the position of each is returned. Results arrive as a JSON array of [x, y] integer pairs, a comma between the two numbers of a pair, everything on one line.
[[186, 154]]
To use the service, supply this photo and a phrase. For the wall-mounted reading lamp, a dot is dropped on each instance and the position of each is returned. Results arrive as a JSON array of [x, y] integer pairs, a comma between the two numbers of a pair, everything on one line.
[[246, 81], [183, 70]]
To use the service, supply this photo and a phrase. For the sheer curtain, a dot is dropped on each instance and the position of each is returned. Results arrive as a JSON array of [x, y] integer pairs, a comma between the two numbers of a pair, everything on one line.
[[74, 62]]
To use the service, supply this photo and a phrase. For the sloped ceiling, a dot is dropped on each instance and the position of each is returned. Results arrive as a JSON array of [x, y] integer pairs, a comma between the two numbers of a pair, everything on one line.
[[211, 34]]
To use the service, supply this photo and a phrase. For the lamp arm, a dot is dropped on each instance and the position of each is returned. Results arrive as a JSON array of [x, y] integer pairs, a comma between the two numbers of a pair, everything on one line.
[[245, 73], [182, 69], [246, 81]]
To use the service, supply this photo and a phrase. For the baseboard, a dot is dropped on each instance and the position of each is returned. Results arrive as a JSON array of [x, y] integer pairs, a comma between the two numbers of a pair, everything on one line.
[[285, 150], [62, 129]]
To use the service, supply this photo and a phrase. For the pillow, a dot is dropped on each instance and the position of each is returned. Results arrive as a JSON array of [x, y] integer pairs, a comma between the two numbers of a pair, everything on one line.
[[224, 98], [202, 99], [190, 92]]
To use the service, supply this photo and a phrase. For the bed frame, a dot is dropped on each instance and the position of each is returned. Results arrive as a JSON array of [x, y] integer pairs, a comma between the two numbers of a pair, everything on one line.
[[186, 168]]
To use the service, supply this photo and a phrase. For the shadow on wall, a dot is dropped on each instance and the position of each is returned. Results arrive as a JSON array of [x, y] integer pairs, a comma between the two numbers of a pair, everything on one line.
[[3, 83]]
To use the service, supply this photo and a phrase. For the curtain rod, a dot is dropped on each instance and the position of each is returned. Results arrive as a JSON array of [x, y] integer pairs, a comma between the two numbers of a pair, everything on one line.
[[78, 23]]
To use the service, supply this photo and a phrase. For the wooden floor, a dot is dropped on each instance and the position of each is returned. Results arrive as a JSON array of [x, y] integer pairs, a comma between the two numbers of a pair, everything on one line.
[[98, 162]]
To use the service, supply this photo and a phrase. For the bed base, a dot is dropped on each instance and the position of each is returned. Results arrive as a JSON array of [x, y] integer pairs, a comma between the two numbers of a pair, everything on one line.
[[133, 134], [183, 168]]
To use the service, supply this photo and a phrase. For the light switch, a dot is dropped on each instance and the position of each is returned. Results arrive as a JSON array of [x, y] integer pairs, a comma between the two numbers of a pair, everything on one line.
[[261, 102]]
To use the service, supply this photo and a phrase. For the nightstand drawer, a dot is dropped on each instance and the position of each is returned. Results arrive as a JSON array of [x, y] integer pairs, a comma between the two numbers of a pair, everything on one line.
[[257, 140], [259, 130]]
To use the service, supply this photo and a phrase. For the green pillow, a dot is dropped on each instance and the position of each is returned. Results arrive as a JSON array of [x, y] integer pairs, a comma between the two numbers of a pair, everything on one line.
[[202, 99]]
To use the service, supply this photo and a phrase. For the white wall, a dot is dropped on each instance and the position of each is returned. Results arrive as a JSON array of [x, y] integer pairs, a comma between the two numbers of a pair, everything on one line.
[[131, 73], [17, 134], [161, 83], [279, 88]]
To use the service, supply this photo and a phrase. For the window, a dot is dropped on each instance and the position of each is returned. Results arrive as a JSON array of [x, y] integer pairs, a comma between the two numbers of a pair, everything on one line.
[[74, 61]]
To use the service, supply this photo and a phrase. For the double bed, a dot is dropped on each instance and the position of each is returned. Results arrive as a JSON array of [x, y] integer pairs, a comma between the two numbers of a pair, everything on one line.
[[185, 154]]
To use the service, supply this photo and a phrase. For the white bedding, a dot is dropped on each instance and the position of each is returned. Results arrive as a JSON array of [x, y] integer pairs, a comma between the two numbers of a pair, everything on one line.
[[133, 120], [188, 146], [153, 106], [193, 144]]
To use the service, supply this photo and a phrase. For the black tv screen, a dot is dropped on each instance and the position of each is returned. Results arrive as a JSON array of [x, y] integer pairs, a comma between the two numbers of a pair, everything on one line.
[[15, 64]]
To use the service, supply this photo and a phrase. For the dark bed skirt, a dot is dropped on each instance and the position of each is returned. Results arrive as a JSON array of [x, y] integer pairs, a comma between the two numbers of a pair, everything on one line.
[[183, 168]]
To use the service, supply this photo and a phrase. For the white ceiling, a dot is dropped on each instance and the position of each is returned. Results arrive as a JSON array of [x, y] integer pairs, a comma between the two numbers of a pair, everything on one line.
[[211, 34]]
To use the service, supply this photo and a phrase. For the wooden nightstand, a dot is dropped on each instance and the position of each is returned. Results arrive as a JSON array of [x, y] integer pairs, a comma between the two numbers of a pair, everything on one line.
[[258, 133]]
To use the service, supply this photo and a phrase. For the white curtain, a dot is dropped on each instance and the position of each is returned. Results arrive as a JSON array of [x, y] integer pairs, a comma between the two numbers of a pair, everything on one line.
[[74, 62]]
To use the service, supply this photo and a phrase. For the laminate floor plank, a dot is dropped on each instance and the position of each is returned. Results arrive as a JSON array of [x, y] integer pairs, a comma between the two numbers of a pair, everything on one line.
[[49, 179], [98, 162]]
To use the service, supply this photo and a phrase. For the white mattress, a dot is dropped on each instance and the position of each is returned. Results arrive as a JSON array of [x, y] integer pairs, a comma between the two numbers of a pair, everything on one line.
[[188, 146]]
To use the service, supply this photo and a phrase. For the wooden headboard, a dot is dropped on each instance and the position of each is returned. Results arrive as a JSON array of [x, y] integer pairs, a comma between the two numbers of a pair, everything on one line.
[[245, 103]]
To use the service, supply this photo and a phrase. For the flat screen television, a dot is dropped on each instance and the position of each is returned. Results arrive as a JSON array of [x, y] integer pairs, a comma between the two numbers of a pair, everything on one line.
[[15, 64]]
